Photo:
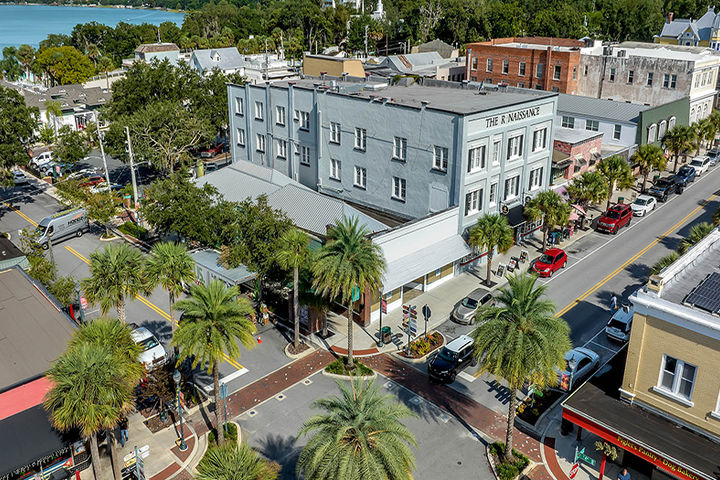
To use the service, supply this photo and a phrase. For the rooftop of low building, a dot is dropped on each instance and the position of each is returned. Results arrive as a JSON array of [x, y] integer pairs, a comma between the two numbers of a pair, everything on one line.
[[654, 50]]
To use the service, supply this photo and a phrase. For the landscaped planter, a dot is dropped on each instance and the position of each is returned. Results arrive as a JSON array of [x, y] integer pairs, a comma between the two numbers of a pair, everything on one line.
[[496, 465], [334, 371], [530, 417], [302, 354], [421, 359]]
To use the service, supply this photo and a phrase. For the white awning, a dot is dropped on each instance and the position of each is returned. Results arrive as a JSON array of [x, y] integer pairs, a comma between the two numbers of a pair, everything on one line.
[[416, 264]]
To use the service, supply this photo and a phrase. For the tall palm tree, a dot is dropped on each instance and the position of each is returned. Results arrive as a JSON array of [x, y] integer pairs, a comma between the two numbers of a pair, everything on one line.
[[214, 321], [650, 157], [26, 55], [235, 462], [105, 65], [293, 253], [697, 233], [715, 121], [696, 136], [665, 261], [491, 231], [676, 142], [53, 111], [520, 340], [170, 266], [705, 129], [617, 173], [549, 207], [359, 437], [91, 391], [349, 260], [117, 274], [589, 188], [114, 335]]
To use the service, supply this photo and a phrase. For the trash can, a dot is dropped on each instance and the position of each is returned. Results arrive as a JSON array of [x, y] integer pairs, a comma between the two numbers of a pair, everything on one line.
[[386, 335], [621, 200]]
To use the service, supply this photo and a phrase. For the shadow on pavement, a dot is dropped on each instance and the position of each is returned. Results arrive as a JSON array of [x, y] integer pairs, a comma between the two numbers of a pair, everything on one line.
[[281, 449]]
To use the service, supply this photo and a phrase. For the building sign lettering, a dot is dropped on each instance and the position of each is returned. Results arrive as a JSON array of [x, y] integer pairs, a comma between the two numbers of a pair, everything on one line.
[[656, 459], [512, 117]]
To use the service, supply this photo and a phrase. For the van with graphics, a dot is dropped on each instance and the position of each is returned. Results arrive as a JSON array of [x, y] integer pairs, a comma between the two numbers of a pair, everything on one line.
[[62, 225]]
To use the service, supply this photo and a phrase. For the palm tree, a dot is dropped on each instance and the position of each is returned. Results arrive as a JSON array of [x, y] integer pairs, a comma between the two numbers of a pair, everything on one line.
[[360, 437], [53, 111], [293, 253], [117, 274], [696, 136], [105, 65], [549, 207], [520, 340], [617, 173], [650, 157], [214, 321], [235, 462], [715, 121], [170, 266], [348, 261], [705, 129], [91, 391], [697, 233], [114, 335], [26, 55], [716, 217], [93, 52], [676, 142], [588, 188], [665, 261], [491, 231]]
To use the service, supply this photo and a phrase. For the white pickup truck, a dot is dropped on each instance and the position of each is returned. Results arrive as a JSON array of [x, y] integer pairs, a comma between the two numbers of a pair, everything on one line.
[[618, 328]]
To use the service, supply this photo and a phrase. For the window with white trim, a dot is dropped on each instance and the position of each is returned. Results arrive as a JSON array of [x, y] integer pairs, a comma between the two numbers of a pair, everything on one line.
[[360, 138], [493, 193], [280, 115], [650, 79], [497, 151], [631, 76], [505, 67], [512, 187], [476, 158], [568, 122], [240, 137], [592, 125], [473, 202], [556, 72], [360, 177], [489, 66], [281, 148], [612, 75], [296, 115], [677, 378], [669, 81], [539, 139], [335, 169], [400, 148], [652, 133], [239, 104], [515, 147], [536, 178], [260, 142], [662, 129], [474, 63], [671, 123], [304, 155], [440, 158], [335, 133], [617, 131], [398, 191], [521, 69], [304, 120], [259, 111]]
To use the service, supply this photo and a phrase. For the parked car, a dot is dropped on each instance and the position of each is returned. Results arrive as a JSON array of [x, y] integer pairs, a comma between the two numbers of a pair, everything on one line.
[[41, 159], [62, 225], [615, 218], [713, 156], [700, 164], [213, 151], [643, 205], [452, 359], [550, 262], [686, 175], [153, 354], [92, 180], [464, 312], [51, 167], [580, 362], [19, 178], [85, 172], [104, 187], [619, 325], [665, 187]]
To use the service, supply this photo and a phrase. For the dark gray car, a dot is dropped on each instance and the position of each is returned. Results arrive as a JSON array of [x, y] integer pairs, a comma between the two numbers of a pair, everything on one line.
[[464, 311]]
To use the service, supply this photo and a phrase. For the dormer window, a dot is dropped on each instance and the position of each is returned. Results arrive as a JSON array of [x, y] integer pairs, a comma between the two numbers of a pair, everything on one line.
[[215, 55]]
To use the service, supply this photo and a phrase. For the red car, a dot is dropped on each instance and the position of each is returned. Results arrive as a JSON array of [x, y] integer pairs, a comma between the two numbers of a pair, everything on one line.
[[92, 180], [615, 218], [550, 262], [213, 151]]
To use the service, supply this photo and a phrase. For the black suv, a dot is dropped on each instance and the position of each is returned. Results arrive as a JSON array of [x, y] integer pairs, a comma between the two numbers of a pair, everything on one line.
[[665, 187], [451, 359]]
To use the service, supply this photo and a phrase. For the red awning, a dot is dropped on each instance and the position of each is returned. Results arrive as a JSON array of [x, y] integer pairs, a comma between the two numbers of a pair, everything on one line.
[[23, 397]]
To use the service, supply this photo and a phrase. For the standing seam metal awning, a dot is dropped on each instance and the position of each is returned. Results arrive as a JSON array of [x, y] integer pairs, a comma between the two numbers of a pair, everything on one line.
[[418, 263]]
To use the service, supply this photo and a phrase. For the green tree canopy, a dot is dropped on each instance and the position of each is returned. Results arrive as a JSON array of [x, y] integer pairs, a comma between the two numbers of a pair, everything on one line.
[[650, 158], [489, 233], [65, 65], [550, 207], [72, 145], [17, 131], [235, 462], [293, 254], [617, 174]]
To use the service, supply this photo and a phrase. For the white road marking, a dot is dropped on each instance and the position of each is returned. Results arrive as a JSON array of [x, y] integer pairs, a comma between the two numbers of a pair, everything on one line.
[[228, 378], [603, 346], [466, 376]]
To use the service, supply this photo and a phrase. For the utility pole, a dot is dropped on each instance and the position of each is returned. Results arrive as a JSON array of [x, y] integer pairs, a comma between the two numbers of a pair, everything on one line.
[[132, 168], [366, 38], [102, 152]]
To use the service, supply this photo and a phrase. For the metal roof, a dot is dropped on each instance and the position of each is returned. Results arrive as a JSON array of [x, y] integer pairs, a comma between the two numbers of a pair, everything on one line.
[[589, 107], [221, 58], [209, 259], [574, 135]]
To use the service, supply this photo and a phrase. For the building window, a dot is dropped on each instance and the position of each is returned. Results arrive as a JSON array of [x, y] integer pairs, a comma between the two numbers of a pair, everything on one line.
[[662, 129], [652, 133], [556, 72], [574, 73], [258, 111], [568, 122], [521, 69], [650, 79], [539, 139], [554, 89], [474, 63], [497, 147], [400, 148], [305, 121], [335, 133], [260, 142], [671, 123], [535, 178], [476, 159], [280, 115], [669, 81], [282, 149], [240, 137], [515, 147], [631, 76], [335, 169], [493, 193], [539, 70], [360, 177], [488, 67], [611, 78], [585, 71], [512, 185], [473, 202], [521, 85], [398, 191], [592, 125], [677, 377], [296, 115], [360, 138], [239, 106], [440, 158], [506, 67], [617, 131]]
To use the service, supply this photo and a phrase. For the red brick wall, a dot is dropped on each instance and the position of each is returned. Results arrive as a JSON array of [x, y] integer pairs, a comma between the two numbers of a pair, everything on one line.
[[583, 149]]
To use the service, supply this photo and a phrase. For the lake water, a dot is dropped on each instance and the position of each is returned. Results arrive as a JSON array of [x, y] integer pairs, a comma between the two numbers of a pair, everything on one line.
[[31, 24]]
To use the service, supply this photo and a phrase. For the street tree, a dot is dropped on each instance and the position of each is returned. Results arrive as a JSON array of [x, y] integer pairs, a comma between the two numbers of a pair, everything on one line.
[[349, 262], [697, 233], [588, 189], [617, 174], [17, 127], [72, 145], [549, 207], [489, 233], [44, 270], [26, 55], [677, 142], [235, 462], [360, 435], [519, 339], [665, 261], [293, 254], [10, 65], [105, 65], [214, 323], [705, 129], [101, 207], [651, 158], [65, 65], [53, 114]]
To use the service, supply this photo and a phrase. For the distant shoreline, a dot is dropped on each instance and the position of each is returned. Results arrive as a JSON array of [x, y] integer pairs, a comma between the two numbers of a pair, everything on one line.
[[94, 5]]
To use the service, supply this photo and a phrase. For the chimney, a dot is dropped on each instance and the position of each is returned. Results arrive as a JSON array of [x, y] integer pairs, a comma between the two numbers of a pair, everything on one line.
[[670, 17]]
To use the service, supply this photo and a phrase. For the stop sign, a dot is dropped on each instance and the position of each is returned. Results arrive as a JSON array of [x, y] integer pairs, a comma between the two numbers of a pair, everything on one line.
[[83, 303], [574, 470]]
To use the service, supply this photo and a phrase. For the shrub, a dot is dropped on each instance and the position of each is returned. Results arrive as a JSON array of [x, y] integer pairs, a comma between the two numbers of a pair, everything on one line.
[[506, 471], [521, 460], [230, 434], [339, 367], [132, 229]]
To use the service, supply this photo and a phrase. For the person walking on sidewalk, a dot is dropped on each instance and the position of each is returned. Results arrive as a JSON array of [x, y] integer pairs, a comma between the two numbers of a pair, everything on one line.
[[123, 431], [613, 303], [624, 475]]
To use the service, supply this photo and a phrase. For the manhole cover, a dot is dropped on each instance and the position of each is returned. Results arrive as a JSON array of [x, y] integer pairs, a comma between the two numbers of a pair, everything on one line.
[[280, 397]]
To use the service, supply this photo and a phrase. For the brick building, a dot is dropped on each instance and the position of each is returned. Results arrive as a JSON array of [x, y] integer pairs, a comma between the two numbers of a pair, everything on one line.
[[542, 63], [574, 152]]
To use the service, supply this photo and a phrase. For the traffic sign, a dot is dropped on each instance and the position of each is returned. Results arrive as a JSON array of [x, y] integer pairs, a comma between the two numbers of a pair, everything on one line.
[[574, 470], [580, 455], [83, 303], [426, 311]]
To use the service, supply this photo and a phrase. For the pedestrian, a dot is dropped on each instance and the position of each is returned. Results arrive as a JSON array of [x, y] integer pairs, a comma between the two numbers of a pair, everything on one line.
[[123, 431], [613, 303], [624, 475]]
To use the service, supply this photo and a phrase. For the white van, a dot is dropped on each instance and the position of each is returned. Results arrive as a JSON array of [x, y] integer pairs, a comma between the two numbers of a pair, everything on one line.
[[62, 225], [42, 159]]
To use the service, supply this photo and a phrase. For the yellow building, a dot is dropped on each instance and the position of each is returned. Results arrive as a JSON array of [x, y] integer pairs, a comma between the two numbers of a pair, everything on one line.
[[316, 65], [703, 32]]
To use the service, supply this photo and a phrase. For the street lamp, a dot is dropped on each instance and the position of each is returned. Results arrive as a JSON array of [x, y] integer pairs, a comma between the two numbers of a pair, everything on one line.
[[176, 378]]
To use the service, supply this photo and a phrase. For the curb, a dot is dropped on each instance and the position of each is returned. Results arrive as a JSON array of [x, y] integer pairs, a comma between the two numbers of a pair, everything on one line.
[[302, 354], [424, 357], [348, 377]]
